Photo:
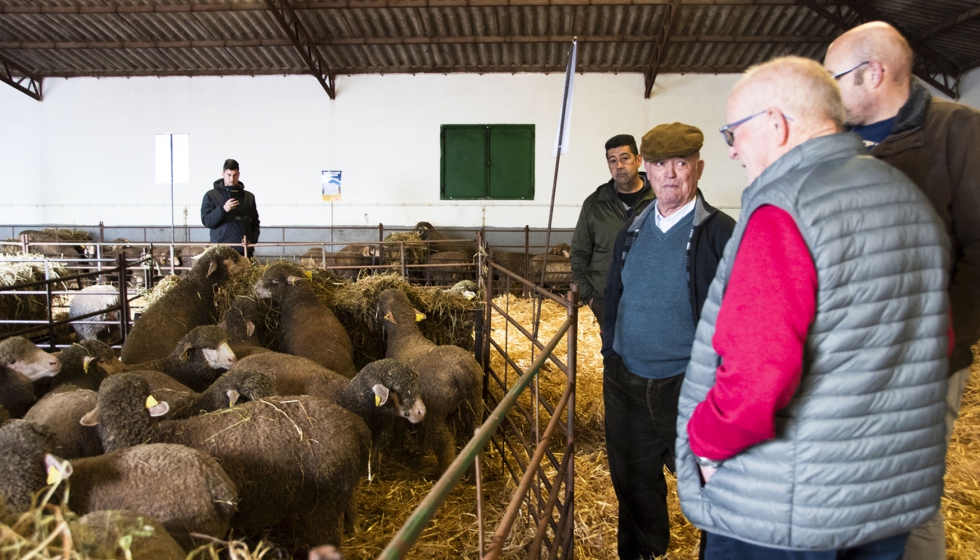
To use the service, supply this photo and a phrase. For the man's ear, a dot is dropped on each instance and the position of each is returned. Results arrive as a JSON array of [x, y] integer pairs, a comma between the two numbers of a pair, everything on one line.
[[875, 73], [700, 169]]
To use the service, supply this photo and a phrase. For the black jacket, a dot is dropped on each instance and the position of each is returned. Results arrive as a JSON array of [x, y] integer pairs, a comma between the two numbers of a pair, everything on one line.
[[712, 230], [230, 227], [603, 215]]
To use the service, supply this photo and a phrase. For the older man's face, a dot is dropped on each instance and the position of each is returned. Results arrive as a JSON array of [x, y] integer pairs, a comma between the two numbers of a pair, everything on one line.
[[749, 146], [674, 181]]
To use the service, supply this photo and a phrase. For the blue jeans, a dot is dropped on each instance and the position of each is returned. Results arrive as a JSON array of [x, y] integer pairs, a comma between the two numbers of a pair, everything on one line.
[[727, 548]]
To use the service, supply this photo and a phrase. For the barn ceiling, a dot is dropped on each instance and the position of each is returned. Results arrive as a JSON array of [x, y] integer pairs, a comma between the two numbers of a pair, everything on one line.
[[330, 38]]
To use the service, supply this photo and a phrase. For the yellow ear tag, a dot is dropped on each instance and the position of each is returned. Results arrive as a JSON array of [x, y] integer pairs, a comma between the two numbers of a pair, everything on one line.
[[54, 475], [151, 402], [419, 316], [85, 364], [308, 274], [377, 400]]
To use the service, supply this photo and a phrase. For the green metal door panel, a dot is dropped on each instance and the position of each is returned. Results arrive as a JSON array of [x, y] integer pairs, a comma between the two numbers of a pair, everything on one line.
[[464, 156], [512, 162]]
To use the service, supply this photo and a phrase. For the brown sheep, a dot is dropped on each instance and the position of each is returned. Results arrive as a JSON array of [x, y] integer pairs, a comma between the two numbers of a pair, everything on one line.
[[295, 460], [307, 327], [101, 534], [450, 378], [449, 267], [229, 389], [187, 305], [442, 242], [21, 362], [196, 359], [60, 412]]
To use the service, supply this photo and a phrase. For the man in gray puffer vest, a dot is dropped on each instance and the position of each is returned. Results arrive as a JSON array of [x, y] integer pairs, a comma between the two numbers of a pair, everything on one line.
[[811, 419]]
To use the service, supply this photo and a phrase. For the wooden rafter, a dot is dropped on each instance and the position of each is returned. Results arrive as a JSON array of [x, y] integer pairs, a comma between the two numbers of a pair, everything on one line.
[[931, 67], [950, 23], [308, 51], [19, 78], [660, 47], [357, 41]]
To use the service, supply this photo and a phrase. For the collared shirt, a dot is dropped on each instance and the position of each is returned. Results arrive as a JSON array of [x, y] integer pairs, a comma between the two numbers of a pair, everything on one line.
[[665, 224]]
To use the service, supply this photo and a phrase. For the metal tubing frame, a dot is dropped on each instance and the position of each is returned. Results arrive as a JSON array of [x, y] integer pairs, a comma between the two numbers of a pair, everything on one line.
[[496, 419]]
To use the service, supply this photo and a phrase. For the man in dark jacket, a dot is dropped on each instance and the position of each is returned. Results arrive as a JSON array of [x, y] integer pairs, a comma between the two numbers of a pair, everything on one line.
[[229, 210], [936, 143], [663, 262], [603, 214]]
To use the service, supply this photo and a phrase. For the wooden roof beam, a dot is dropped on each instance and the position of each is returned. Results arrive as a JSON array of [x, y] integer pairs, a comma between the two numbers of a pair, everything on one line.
[[19, 78], [358, 41], [660, 47], [345, 4], [958, 19], [308, 51]]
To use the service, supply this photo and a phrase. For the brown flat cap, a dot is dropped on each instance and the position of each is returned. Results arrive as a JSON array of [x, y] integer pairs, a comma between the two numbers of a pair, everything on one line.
[[671, 140]]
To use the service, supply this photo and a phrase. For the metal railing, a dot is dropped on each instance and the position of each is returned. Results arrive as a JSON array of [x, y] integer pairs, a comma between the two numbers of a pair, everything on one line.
[[539, 459]]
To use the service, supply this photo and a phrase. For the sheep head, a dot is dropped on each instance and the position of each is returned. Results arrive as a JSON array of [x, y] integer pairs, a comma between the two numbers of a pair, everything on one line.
[[21, 355], [276, 279], [212, 342], [23, 446], [393, 381], [123, 412], [219, 263]]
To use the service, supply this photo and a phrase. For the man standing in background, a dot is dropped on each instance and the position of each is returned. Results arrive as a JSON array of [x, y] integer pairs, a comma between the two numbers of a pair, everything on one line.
[[229, 210], [662, 264], [603, 214], [936, 143]]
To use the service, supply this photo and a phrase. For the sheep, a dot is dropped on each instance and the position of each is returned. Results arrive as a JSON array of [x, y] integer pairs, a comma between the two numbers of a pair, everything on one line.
[[559, 267], [229, 389], [296, 461], [349, 261], [195, 359], [449, 267], [89, 300], [443, 243], [182, 488], [308, 327], [450, 377], [187, 305], [383, 388], [60, 412], [244, 321], [185, 489], [21, 362], [101, 534], [83, 365]]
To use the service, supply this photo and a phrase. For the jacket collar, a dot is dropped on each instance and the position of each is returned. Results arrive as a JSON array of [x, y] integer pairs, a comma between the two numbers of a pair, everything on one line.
[[702, 211], [811, 152], [607, 192], [913, 113]]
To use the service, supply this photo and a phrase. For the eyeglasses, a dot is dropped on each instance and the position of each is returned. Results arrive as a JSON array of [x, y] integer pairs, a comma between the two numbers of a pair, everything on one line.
[[840, 75], [728, 131]]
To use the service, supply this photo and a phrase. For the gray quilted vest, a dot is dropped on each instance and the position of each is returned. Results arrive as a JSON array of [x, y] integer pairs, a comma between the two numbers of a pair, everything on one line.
[[859, 451]]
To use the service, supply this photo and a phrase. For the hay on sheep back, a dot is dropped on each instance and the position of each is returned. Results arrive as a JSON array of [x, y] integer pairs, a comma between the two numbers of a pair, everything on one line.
[[26, 307]]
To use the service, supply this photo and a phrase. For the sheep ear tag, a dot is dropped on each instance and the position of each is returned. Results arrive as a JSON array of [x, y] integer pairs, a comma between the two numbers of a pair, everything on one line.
[[57, 469], [390, 317], [419, 316], [156, 408], [308, 274], [380, 394], [85, 362]]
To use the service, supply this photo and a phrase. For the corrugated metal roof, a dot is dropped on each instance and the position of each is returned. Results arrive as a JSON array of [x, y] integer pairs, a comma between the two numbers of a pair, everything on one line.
[[47, 38]]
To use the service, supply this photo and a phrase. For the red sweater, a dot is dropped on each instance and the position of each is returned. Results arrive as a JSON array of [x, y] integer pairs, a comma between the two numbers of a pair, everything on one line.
[[760, 332]]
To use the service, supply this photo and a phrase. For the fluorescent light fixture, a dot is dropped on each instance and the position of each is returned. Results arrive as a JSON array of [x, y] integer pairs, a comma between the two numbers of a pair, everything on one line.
[[172, 148]]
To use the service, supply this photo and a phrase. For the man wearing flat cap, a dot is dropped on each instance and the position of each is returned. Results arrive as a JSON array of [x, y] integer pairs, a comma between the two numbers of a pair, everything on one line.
[[664, 260]]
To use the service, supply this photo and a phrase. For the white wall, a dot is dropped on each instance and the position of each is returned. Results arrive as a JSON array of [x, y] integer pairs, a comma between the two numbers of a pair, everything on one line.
[[85, 154]]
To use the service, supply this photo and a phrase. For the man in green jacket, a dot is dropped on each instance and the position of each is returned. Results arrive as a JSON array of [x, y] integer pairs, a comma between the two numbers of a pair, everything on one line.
[[603, 214]]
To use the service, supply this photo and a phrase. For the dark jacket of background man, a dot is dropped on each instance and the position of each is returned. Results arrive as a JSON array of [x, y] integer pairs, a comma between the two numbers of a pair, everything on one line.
[[232, 226]]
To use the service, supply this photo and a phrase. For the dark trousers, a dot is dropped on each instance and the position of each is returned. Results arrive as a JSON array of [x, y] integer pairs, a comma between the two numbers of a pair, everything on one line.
[[641, 420], [727, 548]]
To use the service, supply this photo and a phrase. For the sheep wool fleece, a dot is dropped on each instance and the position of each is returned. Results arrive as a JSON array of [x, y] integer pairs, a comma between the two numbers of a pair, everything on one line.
[[859, 451]]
